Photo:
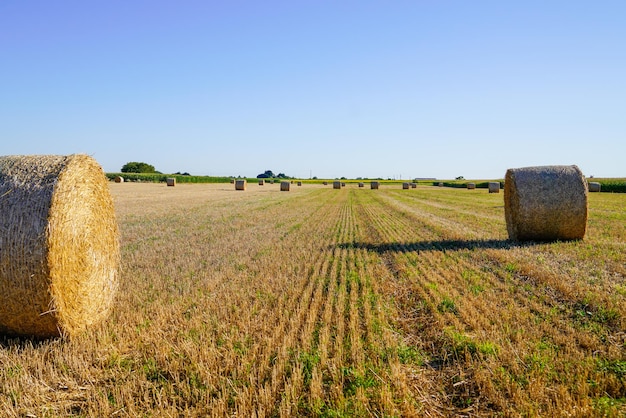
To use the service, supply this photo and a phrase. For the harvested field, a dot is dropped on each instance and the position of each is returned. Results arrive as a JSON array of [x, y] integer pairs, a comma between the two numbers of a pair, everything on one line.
[[363, 303]]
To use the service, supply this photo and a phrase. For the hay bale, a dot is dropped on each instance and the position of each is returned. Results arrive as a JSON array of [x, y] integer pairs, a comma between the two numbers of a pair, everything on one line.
[[440, 184], [240, 184], [374, 185], [232, 181], [299, 183], [119, 179], [545, 203], [325, 183], [261, 182], [336, 185], [594, 186], [59, 245], [343, 184], [413, 185], [284, 186], [361, 185], [471, 186], [171, 181], [405, 186], [494, 187]]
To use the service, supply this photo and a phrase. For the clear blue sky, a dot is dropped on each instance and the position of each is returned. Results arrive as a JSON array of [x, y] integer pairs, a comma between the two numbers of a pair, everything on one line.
[[419, 88]]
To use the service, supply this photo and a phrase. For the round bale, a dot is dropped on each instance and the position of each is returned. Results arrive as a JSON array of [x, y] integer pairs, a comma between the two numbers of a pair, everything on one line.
[[261, 182], [374, 185], [59, 245], [284, 186], [471, 186], [494, 187], [171, 181], [594, 186], [545, 203], [405, 186], [119, 179], [336, 185], [240, 184], [361, 184]]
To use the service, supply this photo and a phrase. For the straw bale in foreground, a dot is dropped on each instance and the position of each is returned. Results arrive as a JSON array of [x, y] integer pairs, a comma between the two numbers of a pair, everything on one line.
[[59, 253], [545, 203]]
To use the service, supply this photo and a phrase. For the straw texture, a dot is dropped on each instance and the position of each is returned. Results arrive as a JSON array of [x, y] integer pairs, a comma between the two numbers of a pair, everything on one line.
[[545, 203], [59, 245]]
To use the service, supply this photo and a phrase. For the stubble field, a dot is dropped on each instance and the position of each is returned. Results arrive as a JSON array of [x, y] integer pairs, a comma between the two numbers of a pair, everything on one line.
[[352, 302]]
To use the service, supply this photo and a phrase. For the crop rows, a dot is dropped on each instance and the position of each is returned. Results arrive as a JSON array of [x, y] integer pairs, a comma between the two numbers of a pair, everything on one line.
[[352, 302]]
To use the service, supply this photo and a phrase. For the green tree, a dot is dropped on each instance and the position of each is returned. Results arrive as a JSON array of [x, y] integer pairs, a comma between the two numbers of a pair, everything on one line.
[[137, 167]]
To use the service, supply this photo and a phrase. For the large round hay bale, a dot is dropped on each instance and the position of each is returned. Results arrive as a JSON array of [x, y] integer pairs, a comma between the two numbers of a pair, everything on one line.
[[413, 185], [594, 186], [440, 184], [374, 185], [240, 184], [405, 186], [471, 186], [494, 187], [299, 183], [261, 182], [325, 183], [59, 245], [336, 185], [119, 179], [171, 181], [545, 203], [284, 186], [361, 184]]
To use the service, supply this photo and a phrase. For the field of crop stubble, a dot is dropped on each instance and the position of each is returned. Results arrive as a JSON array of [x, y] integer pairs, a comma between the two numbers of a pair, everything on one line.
[[352, 302]]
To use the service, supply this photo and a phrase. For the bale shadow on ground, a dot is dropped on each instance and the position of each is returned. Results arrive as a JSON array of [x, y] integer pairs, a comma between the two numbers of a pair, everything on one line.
[[438, 245]]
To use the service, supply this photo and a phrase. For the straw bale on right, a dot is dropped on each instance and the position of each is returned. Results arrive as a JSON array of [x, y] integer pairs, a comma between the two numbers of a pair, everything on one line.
[[545, 203]]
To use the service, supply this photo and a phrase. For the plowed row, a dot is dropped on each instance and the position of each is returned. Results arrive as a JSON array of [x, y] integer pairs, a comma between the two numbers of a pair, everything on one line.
[[352, 302]]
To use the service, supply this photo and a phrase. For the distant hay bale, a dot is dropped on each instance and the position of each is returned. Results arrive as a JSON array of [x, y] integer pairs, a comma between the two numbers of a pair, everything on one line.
[[232, 181], [343, 184], [594, 186], [471, 186], [413, 185], [545, 203], [171, 181], [299, 183], [325, 183], [374, 185], [240, 184], [261, 182], [119, 179], [494, 187], [405, 186], [440, 184], [284, 186], [59, 245], [336, 185], [361, 184]]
